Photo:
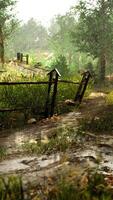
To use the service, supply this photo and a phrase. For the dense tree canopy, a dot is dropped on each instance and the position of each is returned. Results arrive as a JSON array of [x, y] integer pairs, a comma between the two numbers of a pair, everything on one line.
[[31, 36], [94, 31], [60, 40], [83, 34], [7, 23]]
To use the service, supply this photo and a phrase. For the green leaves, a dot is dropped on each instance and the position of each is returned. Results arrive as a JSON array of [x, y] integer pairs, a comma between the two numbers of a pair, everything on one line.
[[59, 36], [95, 31], [61, 64], [7, 23], [29, 37]]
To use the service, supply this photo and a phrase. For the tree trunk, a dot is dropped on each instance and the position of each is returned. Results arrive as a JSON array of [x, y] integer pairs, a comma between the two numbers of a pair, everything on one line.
[[2, 52], [103, 41], [1, 47], [69, 59], [102, 68]]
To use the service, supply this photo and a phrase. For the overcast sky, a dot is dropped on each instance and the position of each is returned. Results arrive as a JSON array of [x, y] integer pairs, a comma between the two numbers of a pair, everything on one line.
[[42, 10]]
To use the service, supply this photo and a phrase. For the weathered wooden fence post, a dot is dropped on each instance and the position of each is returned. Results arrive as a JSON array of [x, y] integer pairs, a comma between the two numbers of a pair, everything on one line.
[[56, 74], [50, 103], [48, 95], [82, 87], [18, 56], [21, 57], [27, 59]]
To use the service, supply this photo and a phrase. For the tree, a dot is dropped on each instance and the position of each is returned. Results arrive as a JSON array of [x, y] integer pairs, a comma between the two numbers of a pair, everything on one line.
[[95, 31], [61, 64], [7, 23], [59, 36], [30, 36]]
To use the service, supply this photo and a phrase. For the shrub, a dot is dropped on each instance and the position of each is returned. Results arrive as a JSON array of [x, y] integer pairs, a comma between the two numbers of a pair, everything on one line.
[[109, 98], [61, 64], [98, 124], [96, 188]]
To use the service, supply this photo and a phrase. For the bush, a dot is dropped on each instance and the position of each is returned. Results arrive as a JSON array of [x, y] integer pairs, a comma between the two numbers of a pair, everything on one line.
[[98, 124], [95, 188], [109, 98], [61, 64]]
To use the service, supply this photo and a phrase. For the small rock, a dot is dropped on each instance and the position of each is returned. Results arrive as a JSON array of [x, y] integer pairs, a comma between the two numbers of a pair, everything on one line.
[[105, 168], [32, 141], [44, 158], [96, 118], [92, 158], [97, 94], [31, 121], [70, 102]]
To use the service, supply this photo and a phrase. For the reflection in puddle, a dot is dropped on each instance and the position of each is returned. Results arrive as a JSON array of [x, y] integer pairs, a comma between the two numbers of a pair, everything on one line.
[[53, 159], [88, 153], [97, 157], [17, 138], [28, 163], [12, 165]]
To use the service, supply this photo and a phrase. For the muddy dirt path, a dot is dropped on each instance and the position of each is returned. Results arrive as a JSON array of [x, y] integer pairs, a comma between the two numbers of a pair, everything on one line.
[[15, 137], [91, 152]]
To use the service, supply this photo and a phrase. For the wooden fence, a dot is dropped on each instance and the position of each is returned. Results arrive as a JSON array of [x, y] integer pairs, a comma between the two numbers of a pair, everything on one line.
[[52, 90], [21, 57]]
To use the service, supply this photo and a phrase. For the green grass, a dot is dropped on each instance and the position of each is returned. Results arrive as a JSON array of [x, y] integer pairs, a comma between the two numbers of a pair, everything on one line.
[[11, 189], [30, 98], [98, 124], [3, 153], [61, 140], [109, 98], [53, 145], [95, 189]]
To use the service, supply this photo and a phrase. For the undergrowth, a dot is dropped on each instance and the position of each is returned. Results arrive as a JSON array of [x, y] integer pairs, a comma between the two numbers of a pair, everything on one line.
[[11, 188], [95, 188], [29, 100], [98, 124], [60, 140], [3, 153], [90, 187], [109, 98]]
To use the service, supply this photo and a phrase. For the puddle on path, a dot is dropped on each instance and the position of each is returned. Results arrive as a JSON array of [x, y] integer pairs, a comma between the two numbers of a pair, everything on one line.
[[94, 153], [28, 163], [13, 165], [99, 157], [15, 138]]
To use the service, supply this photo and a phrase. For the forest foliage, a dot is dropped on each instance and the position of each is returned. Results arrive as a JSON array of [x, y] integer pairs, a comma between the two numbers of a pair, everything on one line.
[[83, 35]]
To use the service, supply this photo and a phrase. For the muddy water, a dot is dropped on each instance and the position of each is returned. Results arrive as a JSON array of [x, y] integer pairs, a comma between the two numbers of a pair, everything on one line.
[[28, 163], [99, 156], [14, 138], [95, 153]]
